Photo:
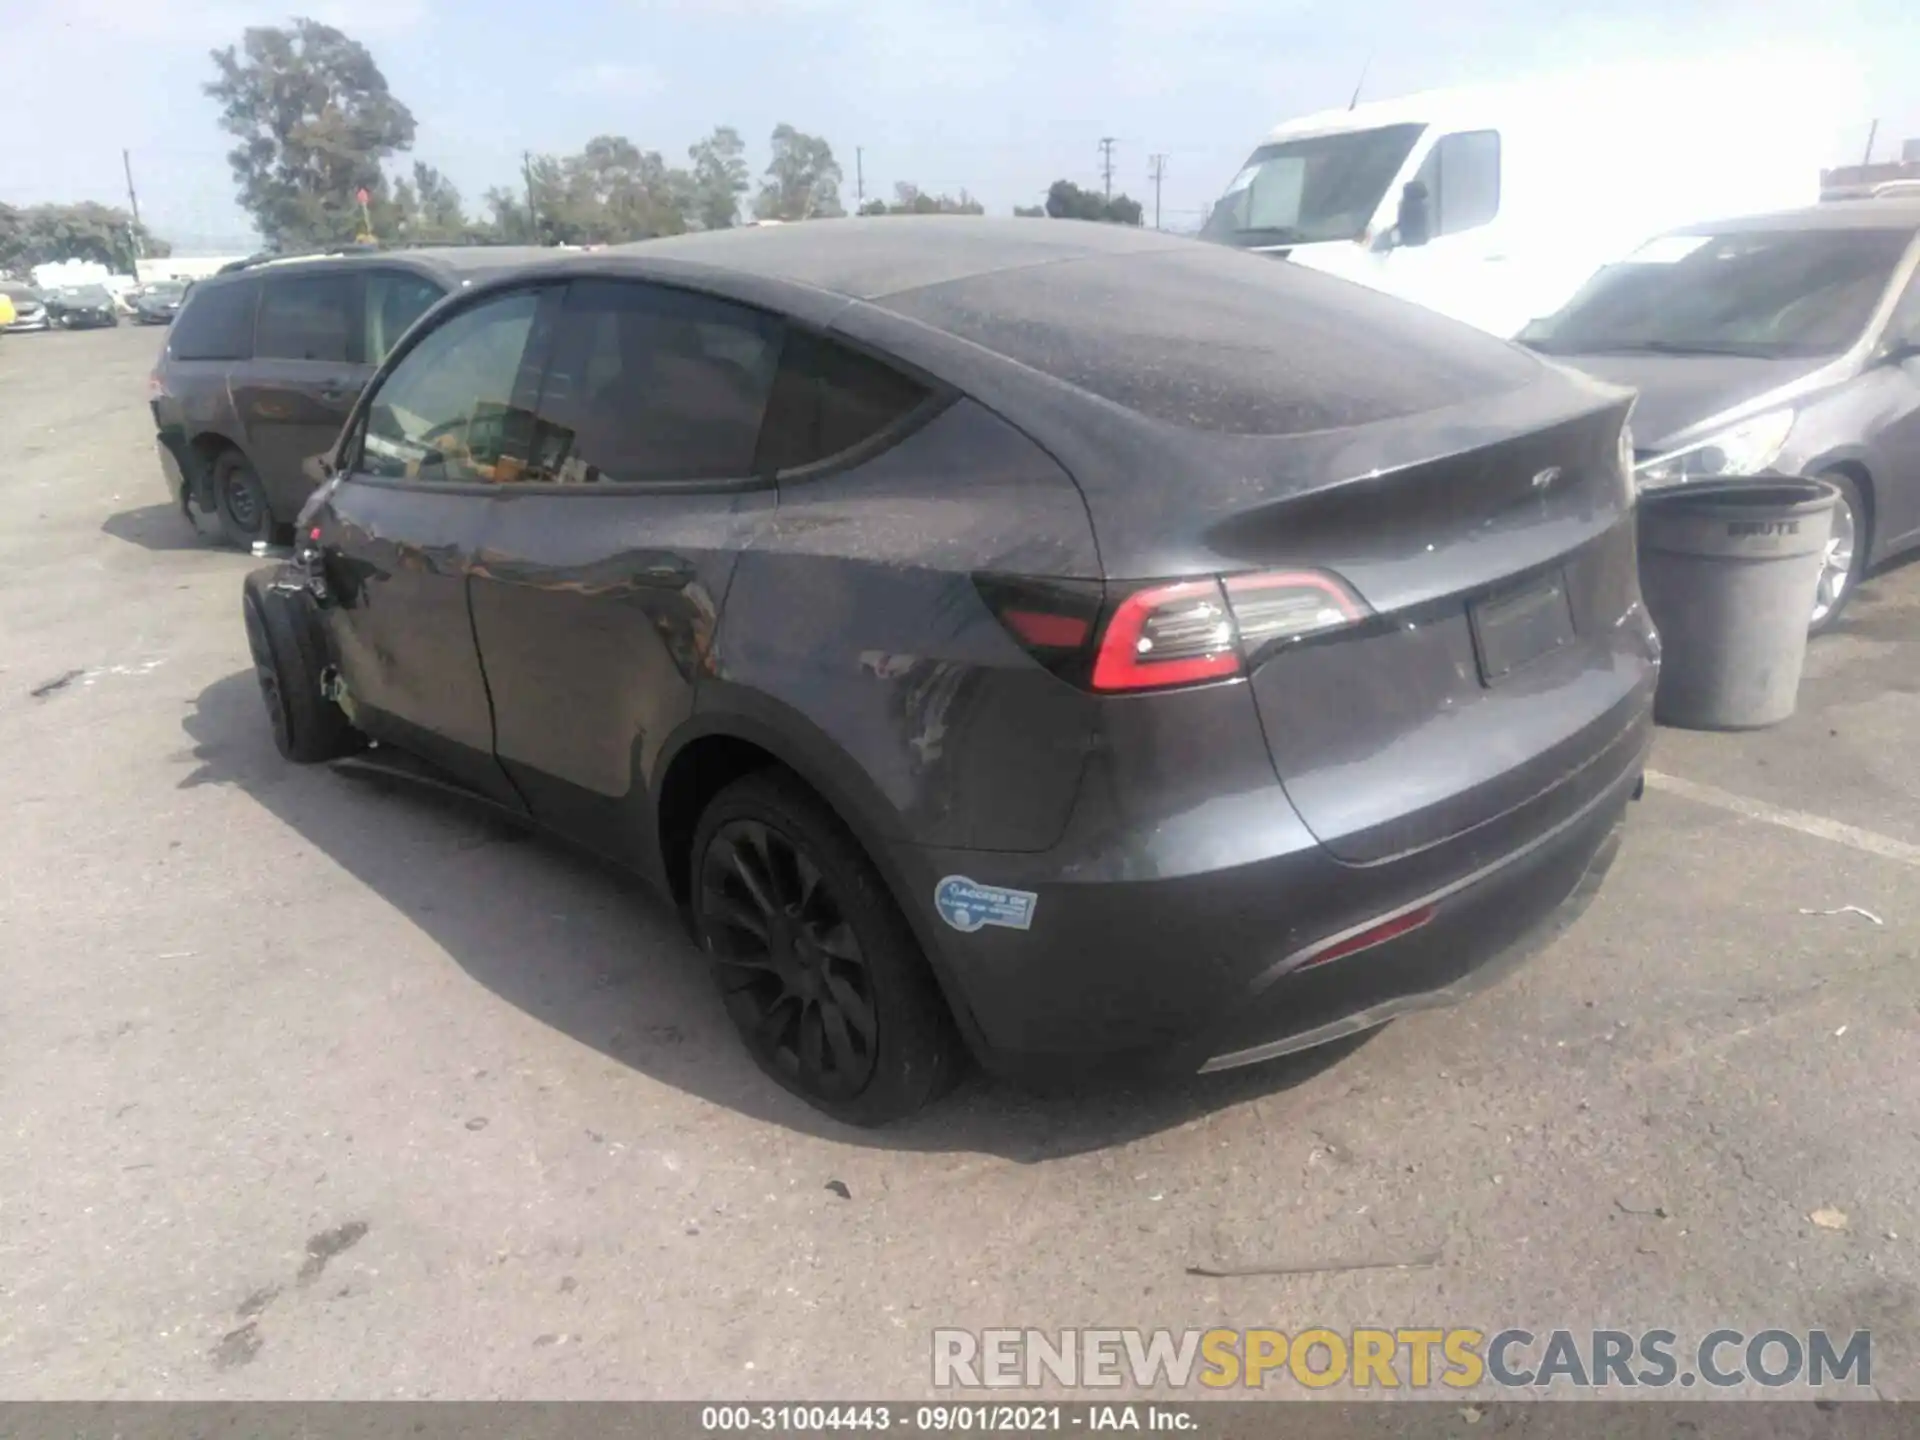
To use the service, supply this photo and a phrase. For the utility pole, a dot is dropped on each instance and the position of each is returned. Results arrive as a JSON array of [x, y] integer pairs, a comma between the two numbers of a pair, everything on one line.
[[859, 179], [1156, 171], [1872, 131], [533, 215], [1107, 142], [133, 200]]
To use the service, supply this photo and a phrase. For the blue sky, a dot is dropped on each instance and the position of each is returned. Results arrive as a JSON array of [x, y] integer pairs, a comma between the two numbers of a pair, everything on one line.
[[995, 96]]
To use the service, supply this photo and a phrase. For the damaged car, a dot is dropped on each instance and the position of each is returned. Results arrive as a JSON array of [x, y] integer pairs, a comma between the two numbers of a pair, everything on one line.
[[1091, 651]]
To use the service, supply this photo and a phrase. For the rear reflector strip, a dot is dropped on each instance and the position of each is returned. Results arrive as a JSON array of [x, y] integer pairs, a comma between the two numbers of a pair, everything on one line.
[[1377, 935], [1050, 632]]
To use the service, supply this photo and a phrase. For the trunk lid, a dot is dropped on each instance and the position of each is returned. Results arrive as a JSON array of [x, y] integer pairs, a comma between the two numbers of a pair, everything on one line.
[[1508, 646]]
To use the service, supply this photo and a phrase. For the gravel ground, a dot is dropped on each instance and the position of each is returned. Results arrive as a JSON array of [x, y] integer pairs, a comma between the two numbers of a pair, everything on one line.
[[310, 1089]]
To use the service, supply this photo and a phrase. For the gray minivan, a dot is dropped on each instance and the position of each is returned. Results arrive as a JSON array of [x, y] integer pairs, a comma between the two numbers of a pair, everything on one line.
[[1785, 343], [265, 360]]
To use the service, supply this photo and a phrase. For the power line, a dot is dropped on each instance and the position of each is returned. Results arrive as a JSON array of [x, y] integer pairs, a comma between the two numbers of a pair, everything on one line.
[[1156, 171], [1107, 142]]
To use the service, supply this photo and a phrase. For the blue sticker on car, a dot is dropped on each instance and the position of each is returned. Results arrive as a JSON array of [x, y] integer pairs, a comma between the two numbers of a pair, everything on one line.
[[967, 904]]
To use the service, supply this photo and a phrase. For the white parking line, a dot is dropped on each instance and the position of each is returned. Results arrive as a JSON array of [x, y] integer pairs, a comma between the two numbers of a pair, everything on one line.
[[1818, 826]]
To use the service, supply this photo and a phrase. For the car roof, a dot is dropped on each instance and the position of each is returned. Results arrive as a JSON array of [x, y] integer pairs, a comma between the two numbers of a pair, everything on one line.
[[1889, 213], [466, 260], [877, 256]]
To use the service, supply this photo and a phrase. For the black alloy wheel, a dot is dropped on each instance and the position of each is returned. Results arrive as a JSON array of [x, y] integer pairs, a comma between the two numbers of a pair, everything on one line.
[[289, 663], [795, 979], [818, 969]]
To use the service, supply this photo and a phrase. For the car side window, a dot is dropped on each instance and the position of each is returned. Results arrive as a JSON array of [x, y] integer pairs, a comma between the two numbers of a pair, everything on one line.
[[215, 322], [826, 400], [395, 299], [649, 383], [1462, 176], [306, 317], [447, 411]]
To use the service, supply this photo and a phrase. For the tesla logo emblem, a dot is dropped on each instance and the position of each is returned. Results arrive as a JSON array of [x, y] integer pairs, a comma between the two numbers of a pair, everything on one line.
[[1545, 479]]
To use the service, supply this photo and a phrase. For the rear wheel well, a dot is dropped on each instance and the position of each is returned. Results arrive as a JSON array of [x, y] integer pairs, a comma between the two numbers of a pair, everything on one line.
[[698, 773]]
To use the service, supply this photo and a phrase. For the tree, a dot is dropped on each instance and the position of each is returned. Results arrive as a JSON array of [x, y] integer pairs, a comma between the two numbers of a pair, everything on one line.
[[803, 180], [910, 199], [719, 178], [440, 218], [1030, 212], [42, 234], [614, 191], [315, 120], [1067, 201]]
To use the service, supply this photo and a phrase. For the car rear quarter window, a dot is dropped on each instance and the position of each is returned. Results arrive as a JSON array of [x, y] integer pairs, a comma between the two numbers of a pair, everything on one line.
[[395, 299], [306, 317], [215, 322], [446, 412], [649, 383], [1224, 341], [828, 399]]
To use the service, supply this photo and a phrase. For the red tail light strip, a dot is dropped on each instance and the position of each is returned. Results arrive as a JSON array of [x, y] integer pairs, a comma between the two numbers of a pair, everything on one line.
[[1374, 935]]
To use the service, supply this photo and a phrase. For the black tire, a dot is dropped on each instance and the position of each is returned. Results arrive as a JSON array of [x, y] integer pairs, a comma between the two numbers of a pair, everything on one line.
[[288, 658], [1853, 508], [819, 970], [240, 500]]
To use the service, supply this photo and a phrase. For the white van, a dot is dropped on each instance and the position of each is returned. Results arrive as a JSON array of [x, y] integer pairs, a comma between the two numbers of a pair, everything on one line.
[[1494, 204]]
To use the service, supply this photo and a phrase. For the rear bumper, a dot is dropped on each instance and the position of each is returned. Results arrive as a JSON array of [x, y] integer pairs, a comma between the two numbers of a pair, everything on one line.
[[1122, 972], [1481, 932]]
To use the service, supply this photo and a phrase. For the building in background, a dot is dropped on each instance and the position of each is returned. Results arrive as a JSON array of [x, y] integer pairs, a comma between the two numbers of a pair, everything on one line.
[[1858, 182]]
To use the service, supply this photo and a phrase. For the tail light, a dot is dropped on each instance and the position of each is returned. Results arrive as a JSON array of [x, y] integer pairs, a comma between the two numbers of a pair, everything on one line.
[[156, 386], [1161, 635]]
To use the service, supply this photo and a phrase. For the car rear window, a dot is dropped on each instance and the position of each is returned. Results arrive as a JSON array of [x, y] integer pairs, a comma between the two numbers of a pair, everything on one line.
[[1223, 341], [216, 323], [826, 400]]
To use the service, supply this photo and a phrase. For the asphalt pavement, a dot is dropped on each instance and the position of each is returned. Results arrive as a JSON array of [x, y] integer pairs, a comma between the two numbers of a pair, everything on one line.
[[311, 1088]]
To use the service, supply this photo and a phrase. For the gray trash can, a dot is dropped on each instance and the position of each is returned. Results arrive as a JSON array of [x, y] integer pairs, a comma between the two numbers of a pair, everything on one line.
[[1728, 569]]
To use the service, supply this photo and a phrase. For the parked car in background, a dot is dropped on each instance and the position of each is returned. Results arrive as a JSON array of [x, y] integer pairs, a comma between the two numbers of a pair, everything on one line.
[[158, 303], [1107, 651], [1493, 204], [265, 359], [1788, 343], [83, 307], [29, 309]]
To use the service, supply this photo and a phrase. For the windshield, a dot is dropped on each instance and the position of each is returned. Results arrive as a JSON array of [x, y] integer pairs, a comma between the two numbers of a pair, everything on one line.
[[86, 295], [1324, 187], [1765, 293], [165, 290]]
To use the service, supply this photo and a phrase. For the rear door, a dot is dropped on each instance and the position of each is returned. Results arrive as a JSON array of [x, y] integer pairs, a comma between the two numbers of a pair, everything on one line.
[[599, 583], [308, 368], [399, 529]]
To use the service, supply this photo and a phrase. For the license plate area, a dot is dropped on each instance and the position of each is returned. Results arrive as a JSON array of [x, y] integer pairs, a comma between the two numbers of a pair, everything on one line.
[[1520, 624]]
